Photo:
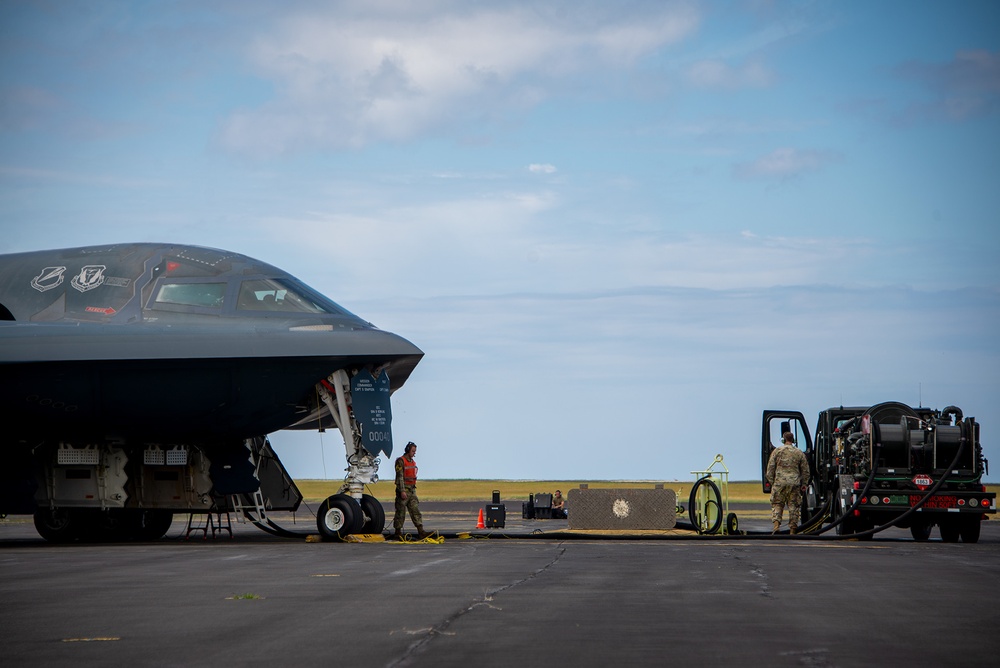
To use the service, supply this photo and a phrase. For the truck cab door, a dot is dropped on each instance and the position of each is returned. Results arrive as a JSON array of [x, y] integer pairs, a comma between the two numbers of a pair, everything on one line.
[[774, 424]]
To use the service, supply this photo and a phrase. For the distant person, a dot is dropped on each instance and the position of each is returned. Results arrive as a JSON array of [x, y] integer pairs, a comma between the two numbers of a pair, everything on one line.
[[558, 506], [788, 473], [406, 493]]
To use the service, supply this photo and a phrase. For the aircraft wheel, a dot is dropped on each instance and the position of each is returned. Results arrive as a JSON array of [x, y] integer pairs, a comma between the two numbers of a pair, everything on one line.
[[150, 524], [374, 520], [949, 531], [969, 528], [102, 526], [339, 516], [921, 531], [56, 525]]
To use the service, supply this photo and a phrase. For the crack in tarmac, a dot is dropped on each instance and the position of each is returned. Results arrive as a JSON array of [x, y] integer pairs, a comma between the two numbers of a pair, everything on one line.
[[442, 629], [757, 571]]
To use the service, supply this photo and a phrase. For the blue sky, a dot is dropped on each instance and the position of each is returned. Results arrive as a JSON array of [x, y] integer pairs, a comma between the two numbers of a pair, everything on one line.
[[618, 231]]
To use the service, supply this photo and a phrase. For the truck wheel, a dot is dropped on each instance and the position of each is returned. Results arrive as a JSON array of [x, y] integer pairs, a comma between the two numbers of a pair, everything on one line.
[[969, 528], [949, 531], [846, 527], [921, 531], [864, 524]]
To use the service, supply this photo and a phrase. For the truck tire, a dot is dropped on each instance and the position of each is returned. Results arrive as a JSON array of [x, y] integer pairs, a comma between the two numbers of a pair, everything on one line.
[[846, 527], [949, 531], [920, 531], [969, 528]]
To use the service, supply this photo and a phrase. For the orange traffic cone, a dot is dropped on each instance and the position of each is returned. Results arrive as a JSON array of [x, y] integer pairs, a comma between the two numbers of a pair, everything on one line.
[[481, 524]]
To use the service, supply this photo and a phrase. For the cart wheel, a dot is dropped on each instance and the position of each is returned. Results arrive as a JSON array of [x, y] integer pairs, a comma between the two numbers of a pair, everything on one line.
[[732, 524]]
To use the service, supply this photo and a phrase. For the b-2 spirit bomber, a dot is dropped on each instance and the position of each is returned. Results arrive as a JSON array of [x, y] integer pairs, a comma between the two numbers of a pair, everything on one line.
[[141, 380]]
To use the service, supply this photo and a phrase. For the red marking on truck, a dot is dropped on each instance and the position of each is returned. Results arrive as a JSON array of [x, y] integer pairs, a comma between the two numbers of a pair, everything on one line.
[[936, 501]]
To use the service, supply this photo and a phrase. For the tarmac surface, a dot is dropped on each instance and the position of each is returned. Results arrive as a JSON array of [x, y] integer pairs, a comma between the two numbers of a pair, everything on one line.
[[258, 600]]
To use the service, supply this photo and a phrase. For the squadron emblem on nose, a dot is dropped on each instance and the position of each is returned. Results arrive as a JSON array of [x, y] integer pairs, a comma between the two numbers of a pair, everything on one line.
[[90, 277], [51, 277]]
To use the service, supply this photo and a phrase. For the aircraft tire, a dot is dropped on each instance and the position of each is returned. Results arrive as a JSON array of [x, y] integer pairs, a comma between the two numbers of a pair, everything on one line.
[[57, 525], [374, 514], [339, 516], [151, 524]]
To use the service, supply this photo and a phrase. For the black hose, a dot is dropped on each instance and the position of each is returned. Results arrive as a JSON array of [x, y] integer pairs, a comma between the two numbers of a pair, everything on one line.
[[816, 520], [955, 411], [928, 494], [705, 480], [847, 513], [857, 498]]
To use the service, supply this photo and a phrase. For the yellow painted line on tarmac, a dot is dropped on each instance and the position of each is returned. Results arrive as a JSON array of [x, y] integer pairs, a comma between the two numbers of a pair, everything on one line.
[[100, 639], [326, 575]]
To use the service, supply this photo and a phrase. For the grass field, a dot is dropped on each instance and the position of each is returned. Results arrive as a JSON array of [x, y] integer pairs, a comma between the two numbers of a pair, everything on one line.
[[482, 490], [510, 490]]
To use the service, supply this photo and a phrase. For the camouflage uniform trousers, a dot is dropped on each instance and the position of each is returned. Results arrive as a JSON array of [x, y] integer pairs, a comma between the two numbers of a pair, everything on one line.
[[786, 494], [410, 503]]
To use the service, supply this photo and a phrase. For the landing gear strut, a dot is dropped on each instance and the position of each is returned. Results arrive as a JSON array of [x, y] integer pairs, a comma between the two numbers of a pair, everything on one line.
[[351, 510]]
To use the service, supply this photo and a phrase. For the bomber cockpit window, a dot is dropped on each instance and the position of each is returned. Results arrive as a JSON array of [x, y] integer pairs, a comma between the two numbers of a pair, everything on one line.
[[205, 295], [282, 296]]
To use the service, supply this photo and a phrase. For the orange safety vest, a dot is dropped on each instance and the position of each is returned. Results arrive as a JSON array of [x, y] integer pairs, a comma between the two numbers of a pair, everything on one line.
[[409, 471]]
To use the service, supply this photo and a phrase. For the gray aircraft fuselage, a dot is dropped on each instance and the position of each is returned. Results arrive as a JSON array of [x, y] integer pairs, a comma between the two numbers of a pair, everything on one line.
[[160, 343]]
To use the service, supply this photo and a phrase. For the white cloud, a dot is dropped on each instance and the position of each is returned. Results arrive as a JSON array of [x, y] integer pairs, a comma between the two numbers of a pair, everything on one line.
[[785, 163], [536, 168], [347, 78], [718, 74], [521, 241], [966, 87]]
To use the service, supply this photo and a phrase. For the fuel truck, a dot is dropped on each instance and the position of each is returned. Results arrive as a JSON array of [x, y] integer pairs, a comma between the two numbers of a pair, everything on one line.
[[888, 465]]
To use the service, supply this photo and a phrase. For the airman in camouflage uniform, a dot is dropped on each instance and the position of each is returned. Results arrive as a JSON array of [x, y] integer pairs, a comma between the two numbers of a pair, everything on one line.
[[406, 494], [788, 473]]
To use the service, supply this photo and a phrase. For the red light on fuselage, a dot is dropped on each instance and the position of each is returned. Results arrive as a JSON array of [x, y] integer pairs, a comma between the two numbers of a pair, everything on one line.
[[171, 266]]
